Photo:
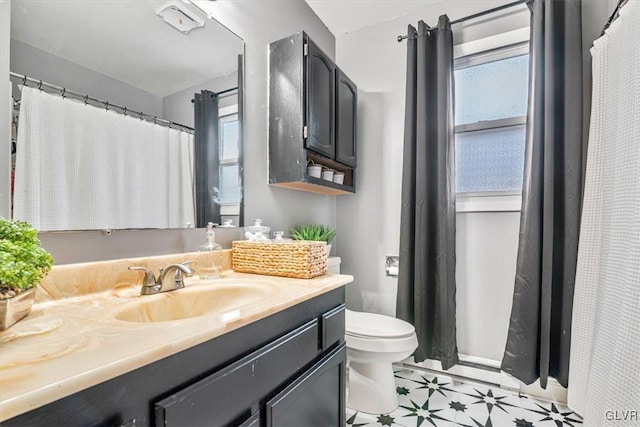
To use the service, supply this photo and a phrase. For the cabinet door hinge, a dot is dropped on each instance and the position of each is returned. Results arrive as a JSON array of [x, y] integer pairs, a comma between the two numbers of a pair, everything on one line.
[[305, 132], [305, 49]]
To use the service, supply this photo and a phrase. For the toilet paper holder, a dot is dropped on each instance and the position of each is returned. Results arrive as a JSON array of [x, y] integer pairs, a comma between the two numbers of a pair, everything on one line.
[[392, 265]]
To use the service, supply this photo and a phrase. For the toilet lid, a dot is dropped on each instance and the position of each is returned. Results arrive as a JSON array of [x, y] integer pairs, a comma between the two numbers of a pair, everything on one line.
[[376, 325]]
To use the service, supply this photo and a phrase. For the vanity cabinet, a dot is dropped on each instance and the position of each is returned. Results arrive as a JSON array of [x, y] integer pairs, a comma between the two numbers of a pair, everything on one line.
[[312, 117], [285, 370]]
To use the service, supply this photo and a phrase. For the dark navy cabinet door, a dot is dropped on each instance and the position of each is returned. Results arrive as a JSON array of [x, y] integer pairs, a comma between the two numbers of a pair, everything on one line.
[[346, 108], [311, 399], [320, 109]]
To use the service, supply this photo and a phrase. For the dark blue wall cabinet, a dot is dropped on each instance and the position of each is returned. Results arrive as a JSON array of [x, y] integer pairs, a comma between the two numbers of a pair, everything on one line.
[[312, 117]]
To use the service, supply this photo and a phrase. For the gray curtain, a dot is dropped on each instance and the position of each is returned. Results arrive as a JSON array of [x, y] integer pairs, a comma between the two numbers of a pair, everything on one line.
[[540, 327], [426, 283], [207, 158]]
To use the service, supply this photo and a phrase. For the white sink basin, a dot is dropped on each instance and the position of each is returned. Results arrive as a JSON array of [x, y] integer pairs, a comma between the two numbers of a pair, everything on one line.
[[219, 298]]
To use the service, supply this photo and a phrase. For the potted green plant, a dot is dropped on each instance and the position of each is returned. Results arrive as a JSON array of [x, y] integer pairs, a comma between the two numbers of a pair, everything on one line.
[[23, 263], [321, 233]]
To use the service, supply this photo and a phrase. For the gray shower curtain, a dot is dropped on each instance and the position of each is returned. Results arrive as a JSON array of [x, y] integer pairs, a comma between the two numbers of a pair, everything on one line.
[[426, 283], [540, 328]]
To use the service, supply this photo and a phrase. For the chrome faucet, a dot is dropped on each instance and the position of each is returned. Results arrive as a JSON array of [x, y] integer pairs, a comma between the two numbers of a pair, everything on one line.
[[151, 286]]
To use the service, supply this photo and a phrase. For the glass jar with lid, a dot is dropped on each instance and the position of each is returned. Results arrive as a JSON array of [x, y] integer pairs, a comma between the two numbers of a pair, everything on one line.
[[257, 232]]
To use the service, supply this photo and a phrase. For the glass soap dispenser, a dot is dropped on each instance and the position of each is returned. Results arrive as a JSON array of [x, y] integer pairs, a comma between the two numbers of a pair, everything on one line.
[[208, 251]]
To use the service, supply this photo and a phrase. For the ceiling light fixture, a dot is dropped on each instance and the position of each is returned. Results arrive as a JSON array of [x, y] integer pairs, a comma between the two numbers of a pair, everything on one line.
[[179, 16]]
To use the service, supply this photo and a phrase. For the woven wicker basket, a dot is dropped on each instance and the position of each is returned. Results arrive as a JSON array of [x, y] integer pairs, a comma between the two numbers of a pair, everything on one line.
[[300, 259]]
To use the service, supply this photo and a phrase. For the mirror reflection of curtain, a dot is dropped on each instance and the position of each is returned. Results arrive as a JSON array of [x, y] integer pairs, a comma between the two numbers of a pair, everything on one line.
[[207, 158], [80, 167]]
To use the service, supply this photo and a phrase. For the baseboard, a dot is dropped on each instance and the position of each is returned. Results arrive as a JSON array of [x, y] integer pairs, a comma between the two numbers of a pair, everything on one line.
[[488, 371], [554, 392], [492, 376], [480, 361]]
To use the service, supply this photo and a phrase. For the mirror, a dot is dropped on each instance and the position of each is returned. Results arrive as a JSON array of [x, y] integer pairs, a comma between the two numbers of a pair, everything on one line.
[[126, 115]]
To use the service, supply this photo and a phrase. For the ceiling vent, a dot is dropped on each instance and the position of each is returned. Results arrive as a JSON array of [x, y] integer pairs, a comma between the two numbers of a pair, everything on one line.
[[179, 16]]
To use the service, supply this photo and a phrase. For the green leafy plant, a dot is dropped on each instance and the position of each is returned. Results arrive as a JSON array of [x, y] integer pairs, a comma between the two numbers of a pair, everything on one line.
[[23, 263], [313, 232]]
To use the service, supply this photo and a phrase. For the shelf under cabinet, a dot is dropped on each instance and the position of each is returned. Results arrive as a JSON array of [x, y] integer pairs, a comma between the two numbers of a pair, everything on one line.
[[317, 185]]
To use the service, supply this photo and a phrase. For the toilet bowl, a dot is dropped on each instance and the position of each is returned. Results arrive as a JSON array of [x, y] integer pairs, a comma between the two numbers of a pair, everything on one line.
[[374, 342]]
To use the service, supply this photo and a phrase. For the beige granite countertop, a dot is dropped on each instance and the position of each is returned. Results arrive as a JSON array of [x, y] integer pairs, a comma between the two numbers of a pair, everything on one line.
[[72, 342]]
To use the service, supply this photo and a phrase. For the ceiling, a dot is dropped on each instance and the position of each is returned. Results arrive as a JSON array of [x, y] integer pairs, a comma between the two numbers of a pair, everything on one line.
[[343, 16], [127, 41]]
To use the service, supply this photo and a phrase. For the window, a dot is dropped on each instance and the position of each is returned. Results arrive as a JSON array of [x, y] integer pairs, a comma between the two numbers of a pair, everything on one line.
[[491, 106], [230, 186]]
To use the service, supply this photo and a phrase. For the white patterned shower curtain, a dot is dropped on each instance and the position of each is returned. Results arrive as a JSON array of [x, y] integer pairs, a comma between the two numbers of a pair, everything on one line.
[[604, 376], [80, 167]]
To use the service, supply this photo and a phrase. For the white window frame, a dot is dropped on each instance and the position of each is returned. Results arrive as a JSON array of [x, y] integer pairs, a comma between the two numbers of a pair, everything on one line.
[[502, 46], [227, 208]]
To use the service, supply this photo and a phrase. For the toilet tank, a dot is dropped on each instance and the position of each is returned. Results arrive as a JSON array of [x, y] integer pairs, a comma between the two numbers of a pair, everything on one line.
[[333, 265]]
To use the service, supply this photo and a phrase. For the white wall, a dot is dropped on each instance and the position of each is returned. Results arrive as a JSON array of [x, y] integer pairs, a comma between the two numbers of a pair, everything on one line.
[[41, 65], [486, 242], [361, 218], [258, 24], [486, 249]]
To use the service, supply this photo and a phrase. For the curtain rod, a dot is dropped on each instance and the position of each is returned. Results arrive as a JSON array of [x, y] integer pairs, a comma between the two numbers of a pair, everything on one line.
[[614, 15], [228, 92], [477, 15], [223, 93], [64, 92]]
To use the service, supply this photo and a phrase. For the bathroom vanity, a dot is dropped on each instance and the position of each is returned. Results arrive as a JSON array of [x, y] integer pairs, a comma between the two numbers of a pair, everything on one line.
[[274, 360]]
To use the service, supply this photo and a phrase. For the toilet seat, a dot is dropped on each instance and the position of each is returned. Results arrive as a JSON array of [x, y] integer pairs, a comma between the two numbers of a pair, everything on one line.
[[369, 332], [382, 345], [376, 326]]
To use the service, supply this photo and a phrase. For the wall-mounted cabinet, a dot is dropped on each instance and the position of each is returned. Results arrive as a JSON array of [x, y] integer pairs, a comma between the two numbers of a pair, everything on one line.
[[312, 117]]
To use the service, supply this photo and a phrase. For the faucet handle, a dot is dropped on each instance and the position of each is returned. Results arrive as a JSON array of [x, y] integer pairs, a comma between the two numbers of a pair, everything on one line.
[[187, 262], [188, 273], [180, 270], [149, 277]]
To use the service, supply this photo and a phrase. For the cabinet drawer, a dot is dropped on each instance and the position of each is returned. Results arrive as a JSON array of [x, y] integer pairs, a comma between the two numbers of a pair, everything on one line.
[[316, 398], [332, 327], [225, 396], [252, 421]]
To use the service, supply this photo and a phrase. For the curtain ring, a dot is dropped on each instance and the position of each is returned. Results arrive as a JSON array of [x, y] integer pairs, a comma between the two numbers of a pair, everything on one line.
[[155, 120], [86, 99], [124, 112], [24, 80], [106, 106], [40, 85], [140, 115], [64, 90]]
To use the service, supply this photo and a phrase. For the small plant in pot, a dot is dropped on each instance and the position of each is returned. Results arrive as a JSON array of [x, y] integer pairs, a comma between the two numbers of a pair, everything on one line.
[[23, 264], [320, 233]]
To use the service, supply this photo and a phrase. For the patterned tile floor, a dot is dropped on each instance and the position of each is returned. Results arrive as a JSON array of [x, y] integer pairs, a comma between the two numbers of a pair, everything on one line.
[[427, 400]]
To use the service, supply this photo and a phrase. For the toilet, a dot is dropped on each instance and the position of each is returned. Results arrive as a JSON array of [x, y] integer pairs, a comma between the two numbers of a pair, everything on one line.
[[374, 343]]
